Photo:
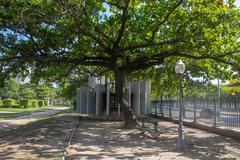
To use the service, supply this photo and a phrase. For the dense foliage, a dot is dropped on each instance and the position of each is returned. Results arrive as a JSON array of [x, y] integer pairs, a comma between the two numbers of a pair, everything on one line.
[[49, 38], [15, 90], [233, 88]]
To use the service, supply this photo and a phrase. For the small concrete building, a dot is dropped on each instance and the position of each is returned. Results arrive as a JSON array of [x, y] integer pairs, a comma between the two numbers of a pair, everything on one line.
[[98, 98]]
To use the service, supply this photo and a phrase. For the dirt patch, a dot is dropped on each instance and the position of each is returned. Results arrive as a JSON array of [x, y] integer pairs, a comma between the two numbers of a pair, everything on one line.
[[40, 140], [109, 140]]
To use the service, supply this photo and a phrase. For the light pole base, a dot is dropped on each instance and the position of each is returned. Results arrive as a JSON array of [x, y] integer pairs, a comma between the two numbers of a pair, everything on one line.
[[180, 146]]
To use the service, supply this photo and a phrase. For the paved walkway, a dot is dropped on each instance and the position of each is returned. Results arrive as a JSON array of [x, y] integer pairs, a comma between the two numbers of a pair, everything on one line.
[[16, 122], [109, 140]]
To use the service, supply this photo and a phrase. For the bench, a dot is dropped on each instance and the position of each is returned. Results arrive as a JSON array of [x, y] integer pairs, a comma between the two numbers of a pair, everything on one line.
[[152, 129]]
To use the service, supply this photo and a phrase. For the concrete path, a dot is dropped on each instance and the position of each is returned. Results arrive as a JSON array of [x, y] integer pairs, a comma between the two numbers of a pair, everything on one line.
[[6, 125], [7, 112]]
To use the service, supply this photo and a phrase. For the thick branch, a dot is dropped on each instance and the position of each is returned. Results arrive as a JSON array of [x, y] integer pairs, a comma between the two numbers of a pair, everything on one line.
[[123, 23], [187, 55], [87, 61], [96, 28], [96, 39], [150, 44], [165, 19], [146, 62], [72, 10]]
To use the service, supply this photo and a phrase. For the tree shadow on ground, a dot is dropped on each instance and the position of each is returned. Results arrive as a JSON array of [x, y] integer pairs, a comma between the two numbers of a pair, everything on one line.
[[43, 140], [102, 139], [96, 140]]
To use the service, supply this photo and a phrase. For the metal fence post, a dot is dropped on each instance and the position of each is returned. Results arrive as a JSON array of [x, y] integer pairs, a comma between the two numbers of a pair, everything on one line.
[[215, 113], [194, 110], [238, 117], [155, 107], [184, 108], [170, 109], [161, 106]]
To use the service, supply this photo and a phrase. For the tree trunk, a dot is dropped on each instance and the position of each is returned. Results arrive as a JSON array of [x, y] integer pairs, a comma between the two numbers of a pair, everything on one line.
[[128, 113]]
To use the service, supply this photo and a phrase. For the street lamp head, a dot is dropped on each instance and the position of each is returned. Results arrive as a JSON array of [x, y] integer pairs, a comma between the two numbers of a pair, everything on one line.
[[180, 67]]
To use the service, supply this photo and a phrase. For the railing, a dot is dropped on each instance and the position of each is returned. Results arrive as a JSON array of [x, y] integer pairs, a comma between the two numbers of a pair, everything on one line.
[[225, 114]]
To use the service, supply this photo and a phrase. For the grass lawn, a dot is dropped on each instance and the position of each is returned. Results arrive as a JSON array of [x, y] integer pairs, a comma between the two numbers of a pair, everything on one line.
[[9, 113]]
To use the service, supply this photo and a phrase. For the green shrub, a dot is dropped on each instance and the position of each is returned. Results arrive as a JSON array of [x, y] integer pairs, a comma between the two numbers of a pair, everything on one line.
[[25, 103], [23, 107], [41, 103], [16, 106], [74, 105], [45, 102], [9, 102], [34, 103]]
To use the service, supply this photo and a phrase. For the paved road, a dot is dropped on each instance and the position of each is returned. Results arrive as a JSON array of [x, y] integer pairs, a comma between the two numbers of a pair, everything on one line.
[[16, 122]]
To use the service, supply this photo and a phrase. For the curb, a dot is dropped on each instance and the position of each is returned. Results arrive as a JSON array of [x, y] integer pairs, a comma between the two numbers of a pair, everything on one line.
[[68, 144]]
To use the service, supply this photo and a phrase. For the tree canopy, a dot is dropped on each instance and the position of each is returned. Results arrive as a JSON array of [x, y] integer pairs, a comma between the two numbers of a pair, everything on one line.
[[49, 38], [128, 35]]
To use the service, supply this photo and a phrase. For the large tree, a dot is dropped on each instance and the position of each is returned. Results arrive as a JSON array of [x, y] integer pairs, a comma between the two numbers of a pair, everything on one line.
[[49, 38], [11, 89]]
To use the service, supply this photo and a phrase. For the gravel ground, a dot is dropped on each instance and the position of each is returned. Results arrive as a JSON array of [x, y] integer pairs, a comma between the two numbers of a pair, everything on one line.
[[44, 140], [109, 140]]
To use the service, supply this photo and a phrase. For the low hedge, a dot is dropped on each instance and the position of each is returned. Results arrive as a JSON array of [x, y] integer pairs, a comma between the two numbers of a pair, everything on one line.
[[28, 103], [16, 106], [34, 103], [9, 102], [46, 102], [25, 103], [41, 103]]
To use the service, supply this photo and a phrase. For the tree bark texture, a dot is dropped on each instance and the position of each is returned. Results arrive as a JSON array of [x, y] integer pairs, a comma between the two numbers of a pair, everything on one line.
[[128, 113]]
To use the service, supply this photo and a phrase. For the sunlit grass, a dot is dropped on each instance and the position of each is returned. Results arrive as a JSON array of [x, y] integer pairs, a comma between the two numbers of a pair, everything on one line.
[[35, 109], [9, 113]]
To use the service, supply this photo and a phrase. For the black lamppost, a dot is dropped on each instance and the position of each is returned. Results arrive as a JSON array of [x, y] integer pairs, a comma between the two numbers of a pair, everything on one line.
[[179, 69]]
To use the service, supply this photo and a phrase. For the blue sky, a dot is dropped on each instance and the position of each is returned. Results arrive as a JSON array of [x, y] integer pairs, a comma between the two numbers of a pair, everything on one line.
[[237, 2]]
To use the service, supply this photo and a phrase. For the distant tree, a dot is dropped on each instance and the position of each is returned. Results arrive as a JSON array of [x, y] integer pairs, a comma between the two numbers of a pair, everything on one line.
[[233, 88], [45, 91], [28, 93], [10, 90], [69, 91]]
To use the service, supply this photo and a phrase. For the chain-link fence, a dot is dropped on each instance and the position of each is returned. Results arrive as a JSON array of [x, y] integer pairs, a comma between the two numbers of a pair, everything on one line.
[[224, 113]]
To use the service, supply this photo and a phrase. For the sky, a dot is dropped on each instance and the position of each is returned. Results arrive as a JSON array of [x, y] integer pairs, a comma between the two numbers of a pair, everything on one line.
[[237, 2]]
